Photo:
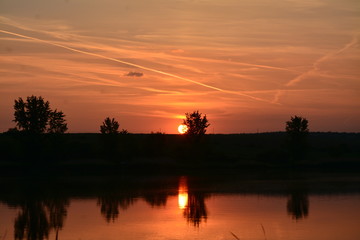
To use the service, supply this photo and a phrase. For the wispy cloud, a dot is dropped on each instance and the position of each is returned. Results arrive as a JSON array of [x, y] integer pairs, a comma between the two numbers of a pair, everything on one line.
[[137, 66], [134, 74]]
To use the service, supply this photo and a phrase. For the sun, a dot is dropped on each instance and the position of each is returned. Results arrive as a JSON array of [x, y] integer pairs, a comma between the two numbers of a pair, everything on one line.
[[182, 128]]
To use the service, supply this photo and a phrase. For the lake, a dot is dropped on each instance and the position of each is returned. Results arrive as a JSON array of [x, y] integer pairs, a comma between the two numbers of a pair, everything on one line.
[[234, 206]]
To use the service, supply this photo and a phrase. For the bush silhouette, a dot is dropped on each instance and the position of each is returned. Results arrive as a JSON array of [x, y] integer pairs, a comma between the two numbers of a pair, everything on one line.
[[109, 126]]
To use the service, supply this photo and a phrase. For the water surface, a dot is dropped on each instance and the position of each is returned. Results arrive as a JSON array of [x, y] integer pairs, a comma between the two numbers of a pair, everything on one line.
[[181, 208]]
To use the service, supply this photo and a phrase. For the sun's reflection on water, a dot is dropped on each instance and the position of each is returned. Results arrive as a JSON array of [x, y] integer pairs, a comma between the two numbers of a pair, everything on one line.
[[183, 193]]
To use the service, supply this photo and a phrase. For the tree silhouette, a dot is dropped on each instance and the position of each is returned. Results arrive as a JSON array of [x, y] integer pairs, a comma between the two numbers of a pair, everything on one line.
[[109, 126], [32, 115], [57, 122], [297, 129], [35, 116], [196, 124], [297, 126]]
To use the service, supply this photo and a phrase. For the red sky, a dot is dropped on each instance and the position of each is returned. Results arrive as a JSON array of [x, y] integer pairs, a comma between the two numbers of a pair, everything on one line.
[[248, 65]]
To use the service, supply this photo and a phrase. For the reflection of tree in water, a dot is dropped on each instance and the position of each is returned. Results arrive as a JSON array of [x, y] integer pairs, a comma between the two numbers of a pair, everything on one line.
[[192, 202], [195, 211], [37, 218], [298, 205], [156, 199], [110, 205]]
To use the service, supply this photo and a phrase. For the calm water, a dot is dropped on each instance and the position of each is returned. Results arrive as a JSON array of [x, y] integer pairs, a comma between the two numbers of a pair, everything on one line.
[[180, 208]]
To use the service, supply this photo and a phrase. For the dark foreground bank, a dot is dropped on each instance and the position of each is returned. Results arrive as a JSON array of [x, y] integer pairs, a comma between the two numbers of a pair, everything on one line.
[[96, 153]]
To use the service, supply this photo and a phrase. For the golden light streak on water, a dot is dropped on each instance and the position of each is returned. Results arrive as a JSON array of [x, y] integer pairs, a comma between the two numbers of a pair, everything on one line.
[[183, 193]]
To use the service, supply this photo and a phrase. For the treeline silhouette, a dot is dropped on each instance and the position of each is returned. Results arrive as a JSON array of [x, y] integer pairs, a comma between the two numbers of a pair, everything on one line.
[[38, 141], [338, 150]]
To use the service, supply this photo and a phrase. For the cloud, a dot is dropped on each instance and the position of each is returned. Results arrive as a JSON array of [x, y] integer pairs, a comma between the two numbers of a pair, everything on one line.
[[134, 74], [137, 66]]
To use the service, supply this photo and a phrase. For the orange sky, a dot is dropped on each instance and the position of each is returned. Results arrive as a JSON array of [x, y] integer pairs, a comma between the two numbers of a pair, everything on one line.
[[249, 65]]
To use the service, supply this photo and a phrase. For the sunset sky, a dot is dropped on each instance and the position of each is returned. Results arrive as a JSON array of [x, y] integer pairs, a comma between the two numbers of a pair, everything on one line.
[[249, 65]]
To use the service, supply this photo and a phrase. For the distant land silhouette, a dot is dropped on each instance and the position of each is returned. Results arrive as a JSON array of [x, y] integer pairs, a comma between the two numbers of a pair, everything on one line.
[[102, 153]]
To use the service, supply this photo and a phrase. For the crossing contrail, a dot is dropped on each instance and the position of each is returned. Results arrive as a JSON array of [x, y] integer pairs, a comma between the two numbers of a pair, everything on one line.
[[315, 66], [134, 65]]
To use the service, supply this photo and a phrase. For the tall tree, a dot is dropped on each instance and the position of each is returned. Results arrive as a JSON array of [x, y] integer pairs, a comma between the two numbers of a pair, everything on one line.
[[109, 126], [32, 115], [196, 124], [35, 116]]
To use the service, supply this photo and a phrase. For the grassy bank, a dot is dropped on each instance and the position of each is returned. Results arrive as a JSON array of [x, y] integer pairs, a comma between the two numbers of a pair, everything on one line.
[[97, 153]]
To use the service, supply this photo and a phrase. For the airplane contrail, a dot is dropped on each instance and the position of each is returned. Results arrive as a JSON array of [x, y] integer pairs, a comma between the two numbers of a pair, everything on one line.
[[315, 65], [314, 69], [17, 25], [237, 63], [134, 65]]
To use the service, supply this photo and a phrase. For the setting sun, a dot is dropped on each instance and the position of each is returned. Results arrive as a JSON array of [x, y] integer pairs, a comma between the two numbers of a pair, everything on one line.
[[182, 128], [146, 74]]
